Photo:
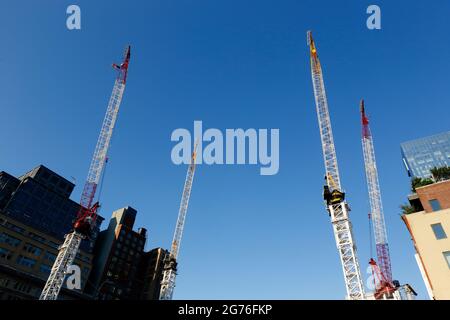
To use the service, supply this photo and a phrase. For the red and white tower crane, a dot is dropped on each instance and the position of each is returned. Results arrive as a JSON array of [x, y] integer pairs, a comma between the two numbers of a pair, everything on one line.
[[385, 285], [171, 262], [333, 195], [85, 221]]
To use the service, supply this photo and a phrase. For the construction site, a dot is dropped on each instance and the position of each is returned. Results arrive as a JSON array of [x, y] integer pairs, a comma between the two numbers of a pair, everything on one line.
[[385, 287], [338, 208], [252, 234]]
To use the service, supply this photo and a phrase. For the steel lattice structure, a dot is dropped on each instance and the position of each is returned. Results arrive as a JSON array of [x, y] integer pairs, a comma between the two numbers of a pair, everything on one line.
[[376, 207], [170, 263], [335, 198], [87, 214]]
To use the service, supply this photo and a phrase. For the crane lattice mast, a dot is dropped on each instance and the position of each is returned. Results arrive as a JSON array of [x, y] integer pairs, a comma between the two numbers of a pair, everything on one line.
[[376, 207], [85, 221], [170, 263], [333, 195]]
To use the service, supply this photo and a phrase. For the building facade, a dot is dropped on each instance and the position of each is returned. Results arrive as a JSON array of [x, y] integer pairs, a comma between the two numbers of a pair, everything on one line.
[[41, 199], [122, 270], [26, 258], [421, 155], [150, 273], [118, 253], [429, 227], [35, 214]]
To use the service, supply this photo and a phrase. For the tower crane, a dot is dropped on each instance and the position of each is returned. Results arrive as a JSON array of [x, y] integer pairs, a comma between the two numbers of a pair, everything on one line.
[[334, 197], [385, 285], [170, 261], [86, 217]]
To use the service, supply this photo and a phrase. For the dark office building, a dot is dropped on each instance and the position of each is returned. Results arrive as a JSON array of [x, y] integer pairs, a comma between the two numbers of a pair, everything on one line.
[[40, 199], [150, 272], [35, 214], [118, 252]]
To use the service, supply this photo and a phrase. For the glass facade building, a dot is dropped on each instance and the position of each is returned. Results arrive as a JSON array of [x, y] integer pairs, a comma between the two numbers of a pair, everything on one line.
[[40, 199], [421, 155]]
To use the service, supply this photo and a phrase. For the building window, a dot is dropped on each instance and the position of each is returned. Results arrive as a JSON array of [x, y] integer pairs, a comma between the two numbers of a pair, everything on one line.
[[439, 232], [28, 247], [15, 228], [45, 269], [5, 254], [21, 286], [53, 245], [4, 282], [435, 205], [447, 257], [50, 257], [27, 262], [36, 237], [85, 271], [6, 238]]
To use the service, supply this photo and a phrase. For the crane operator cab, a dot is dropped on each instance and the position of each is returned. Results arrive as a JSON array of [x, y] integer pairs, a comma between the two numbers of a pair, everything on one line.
[[332, 197], [85, 223], [84, 226], [170, 263]]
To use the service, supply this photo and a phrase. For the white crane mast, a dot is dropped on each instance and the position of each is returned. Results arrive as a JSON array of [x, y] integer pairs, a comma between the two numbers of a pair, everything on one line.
[[85, 221], [335, 198], [170, 263]]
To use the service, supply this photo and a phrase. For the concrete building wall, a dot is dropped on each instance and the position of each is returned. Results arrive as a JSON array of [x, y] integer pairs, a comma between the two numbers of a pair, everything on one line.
[[432, 248]]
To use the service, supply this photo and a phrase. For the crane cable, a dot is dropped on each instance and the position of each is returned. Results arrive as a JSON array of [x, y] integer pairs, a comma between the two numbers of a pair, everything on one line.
[[371, 246], [370, 234]]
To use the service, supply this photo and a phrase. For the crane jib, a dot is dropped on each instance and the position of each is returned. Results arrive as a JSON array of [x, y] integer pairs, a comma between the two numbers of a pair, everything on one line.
[[86, 218]]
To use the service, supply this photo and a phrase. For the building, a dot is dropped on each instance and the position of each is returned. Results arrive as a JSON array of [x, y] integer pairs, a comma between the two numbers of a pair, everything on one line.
[[35, 214], [122, 270], [26, 258], [428, 222], [41, 199], [420, 155], [118, 253], [150, 272]]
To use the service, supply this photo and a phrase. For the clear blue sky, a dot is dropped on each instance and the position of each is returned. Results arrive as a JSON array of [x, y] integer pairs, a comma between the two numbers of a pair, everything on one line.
[[231, 64]]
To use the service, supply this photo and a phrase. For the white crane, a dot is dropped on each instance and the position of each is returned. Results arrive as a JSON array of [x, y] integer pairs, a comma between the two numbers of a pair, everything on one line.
[[170, 263], [85, 221], [333, 195]]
